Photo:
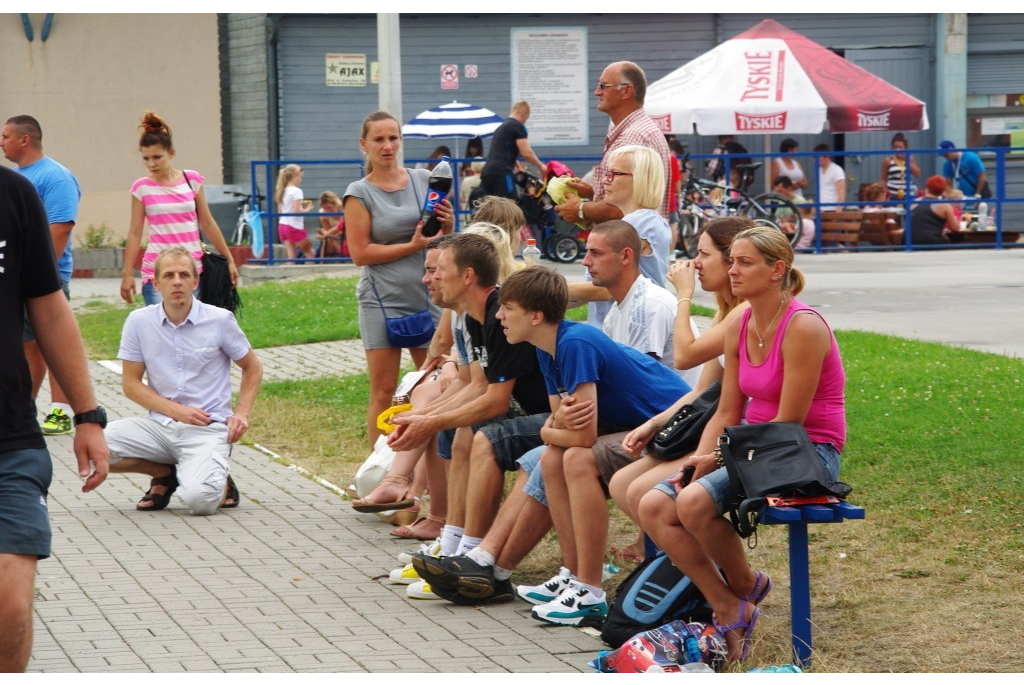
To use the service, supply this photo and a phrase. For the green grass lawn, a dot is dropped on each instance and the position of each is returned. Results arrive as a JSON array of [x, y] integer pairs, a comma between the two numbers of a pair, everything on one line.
[[274, 314]]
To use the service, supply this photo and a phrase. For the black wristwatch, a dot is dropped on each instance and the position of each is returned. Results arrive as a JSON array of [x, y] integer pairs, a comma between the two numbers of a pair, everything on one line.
[[97, 415]]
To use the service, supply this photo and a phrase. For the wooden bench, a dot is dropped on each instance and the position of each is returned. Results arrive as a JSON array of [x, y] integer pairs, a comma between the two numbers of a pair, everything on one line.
[[880, 228], [798, 518], [841, 227]]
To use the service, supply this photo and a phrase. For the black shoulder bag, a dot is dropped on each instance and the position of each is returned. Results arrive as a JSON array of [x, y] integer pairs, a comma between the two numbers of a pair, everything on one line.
[[215, 283], [771, 459], [681, 434]]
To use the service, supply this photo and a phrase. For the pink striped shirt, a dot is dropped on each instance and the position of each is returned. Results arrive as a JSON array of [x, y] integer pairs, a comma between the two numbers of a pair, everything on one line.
[[172, 218]]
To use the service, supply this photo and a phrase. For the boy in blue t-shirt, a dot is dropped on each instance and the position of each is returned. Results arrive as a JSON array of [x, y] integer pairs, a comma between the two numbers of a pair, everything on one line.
[[596, 387]]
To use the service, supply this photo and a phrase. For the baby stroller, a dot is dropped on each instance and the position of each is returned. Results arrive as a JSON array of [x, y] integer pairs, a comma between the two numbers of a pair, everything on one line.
[[560, 241]]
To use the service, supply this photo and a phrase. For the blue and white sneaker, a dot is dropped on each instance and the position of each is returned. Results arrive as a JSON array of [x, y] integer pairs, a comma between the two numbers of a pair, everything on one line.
[[576, 606], [549, 591]]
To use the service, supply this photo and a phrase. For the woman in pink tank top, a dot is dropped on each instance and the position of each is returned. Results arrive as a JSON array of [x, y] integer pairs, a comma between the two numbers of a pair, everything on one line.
[[782, 357]]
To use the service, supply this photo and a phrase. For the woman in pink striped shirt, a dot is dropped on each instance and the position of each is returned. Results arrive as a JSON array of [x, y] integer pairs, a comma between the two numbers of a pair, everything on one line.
[[173, 203]]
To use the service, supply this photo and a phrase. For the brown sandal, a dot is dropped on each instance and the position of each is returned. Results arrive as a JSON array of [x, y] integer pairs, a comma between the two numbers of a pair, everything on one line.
[[368, 506], [170, 481], [410, 532]]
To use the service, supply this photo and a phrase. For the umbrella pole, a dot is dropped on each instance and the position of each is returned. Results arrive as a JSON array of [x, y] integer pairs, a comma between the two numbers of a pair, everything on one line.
[[768, 163]]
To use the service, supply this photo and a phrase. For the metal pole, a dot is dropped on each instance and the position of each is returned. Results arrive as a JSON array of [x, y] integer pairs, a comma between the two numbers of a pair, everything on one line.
[[389, 56]]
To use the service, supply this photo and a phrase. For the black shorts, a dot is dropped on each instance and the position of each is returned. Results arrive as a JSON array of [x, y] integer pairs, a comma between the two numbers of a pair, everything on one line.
[[25, 477], [28, 335]]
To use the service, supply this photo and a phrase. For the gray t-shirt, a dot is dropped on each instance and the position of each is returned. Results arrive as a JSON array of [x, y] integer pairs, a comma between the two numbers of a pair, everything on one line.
[[393, 219]]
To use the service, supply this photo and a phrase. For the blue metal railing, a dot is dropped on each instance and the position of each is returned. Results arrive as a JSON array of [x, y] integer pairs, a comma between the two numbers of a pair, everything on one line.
[[997, 203]]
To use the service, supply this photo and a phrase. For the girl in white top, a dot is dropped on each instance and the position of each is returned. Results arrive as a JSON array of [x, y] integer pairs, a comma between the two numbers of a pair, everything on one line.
[[292, 229], [174, 205]]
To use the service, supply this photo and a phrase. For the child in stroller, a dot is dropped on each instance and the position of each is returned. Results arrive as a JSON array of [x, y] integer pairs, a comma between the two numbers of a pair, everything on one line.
[[560, 241]]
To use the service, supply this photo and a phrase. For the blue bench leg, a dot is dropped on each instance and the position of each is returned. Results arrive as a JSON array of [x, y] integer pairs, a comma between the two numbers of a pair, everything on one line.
[[800, 593]]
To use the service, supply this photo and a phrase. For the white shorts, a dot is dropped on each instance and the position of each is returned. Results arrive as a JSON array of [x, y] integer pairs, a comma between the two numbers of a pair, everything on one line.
[[200, 452]]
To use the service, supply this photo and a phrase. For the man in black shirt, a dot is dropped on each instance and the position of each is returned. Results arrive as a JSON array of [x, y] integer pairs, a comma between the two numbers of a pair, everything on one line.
[[499, 415], [508, 144], [29, 280]]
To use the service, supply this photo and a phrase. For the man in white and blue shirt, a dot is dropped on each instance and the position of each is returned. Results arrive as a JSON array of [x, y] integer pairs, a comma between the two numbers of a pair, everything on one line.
[[185, 349]]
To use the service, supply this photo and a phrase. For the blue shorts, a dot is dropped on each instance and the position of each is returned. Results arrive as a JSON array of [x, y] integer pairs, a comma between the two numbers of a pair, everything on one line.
[[530, 462], [444, 443], [25, 477], [717, 482], [512, 438], [608, 455], [27, 334]]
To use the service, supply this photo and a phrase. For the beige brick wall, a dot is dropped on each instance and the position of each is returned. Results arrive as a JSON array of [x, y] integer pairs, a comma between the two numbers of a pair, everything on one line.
[[89, 83]]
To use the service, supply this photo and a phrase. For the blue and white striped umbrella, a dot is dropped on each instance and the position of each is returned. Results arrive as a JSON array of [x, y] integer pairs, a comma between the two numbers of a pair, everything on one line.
[[454, 120]]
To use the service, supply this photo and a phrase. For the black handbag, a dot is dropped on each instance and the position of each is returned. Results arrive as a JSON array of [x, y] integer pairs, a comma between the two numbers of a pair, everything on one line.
[[681, 434], [215, 284], [771, 459]]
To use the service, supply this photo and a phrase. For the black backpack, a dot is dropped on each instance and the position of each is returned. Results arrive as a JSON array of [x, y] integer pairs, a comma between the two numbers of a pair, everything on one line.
[[655, 593]]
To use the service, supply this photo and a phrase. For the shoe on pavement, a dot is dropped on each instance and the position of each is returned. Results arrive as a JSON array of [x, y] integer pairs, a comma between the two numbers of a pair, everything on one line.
[[420, 590], [576, 606], [404, 576], [503, 592], [433, 548], [456, 573], [57, 423], [548, 591]]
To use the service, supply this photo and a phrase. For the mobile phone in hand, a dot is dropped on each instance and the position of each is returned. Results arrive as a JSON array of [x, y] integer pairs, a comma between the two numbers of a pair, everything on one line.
[[687, 476]]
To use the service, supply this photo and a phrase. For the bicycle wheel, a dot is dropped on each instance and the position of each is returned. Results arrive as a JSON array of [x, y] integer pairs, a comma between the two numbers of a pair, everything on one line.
[[776, 211], [689, 229]]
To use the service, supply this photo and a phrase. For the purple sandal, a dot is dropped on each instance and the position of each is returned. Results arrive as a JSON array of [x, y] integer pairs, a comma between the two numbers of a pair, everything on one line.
[[749, 625], [762, 586]]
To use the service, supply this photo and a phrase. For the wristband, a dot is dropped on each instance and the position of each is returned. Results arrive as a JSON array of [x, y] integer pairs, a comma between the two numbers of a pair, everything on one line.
[[683, 299], [719, 459]]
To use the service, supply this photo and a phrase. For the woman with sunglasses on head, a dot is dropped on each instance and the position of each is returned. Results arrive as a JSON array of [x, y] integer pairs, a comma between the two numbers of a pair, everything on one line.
[[385, 238], [780, 355], [634, 182]]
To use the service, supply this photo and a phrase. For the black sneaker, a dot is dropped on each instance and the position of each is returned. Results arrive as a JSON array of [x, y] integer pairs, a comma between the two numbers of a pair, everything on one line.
[[456, 573], [503, 592]]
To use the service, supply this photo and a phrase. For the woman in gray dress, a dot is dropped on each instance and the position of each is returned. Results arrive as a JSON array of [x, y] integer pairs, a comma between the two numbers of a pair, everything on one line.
[[382, 213]]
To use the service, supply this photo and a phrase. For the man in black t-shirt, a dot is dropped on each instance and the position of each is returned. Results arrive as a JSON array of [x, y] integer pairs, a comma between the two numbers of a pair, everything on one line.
[[508, 144], [29, 280], [499, 415]]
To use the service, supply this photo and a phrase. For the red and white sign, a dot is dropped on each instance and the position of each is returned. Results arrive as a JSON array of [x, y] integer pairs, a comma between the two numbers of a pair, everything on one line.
[[470, 71], [449, 77], [773, 80]]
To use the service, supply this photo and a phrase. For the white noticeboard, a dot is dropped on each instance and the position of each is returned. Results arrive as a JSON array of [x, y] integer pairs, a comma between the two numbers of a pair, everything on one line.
[[549, 70], [345, 71]]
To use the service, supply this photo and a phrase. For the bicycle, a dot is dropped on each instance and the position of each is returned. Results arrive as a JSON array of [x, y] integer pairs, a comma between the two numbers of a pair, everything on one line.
[[242, 233], [697, 206]]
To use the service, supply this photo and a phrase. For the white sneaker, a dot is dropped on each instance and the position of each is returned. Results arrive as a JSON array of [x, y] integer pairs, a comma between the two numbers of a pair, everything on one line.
[[420, 590], [549, 591], [404, 576], [576, 606], [431, 548]]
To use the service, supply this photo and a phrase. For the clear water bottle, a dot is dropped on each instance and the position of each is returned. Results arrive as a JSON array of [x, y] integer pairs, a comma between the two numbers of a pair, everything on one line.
[[438, 187], [692, 649], [531, 253], [696, 667], [983, 219]]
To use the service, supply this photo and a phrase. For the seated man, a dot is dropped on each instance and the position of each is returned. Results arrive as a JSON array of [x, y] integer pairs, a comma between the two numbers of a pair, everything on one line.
[[606, 386], [185, 349], [498, 415]]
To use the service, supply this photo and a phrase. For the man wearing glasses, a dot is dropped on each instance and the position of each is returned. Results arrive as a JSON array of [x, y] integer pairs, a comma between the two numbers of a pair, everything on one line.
[[620, 94]]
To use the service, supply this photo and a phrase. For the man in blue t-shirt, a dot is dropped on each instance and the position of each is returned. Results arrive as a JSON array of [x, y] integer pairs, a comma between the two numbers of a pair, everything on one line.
[[596, 386], [22, 143], [965, 169], [508, 144]]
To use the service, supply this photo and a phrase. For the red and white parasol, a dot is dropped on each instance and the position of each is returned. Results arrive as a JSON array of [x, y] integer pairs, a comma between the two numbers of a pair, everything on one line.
[[770, 79]]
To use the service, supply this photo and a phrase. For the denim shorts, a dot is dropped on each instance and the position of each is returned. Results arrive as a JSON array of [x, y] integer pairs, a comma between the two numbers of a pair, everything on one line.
[[608, 454], [25, 477], [512, 438], [27, 334], [717, 482], [444, 443], [530, 462]]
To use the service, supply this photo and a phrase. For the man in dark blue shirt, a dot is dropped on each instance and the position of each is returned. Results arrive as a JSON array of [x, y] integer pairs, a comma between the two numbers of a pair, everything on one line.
[[508, 144]]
